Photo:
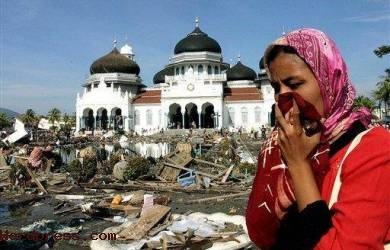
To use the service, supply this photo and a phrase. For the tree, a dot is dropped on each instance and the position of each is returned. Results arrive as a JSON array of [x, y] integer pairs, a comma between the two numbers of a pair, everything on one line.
[[66, 118], [54, 115], [382, 50], [364, 101], [382, 93], [4, 121], [30, 118]]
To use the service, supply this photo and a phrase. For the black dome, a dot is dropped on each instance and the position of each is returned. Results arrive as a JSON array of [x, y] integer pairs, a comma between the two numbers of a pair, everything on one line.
[[197, 41], [159, 77], [114, 62], [261, 63], [240, 72]]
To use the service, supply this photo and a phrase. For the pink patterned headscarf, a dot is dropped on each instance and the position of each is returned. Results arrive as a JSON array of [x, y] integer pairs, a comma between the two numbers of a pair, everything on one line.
[[330, 70]]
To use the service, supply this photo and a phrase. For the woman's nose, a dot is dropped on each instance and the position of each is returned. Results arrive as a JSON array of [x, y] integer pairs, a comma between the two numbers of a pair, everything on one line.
[[284, 89]]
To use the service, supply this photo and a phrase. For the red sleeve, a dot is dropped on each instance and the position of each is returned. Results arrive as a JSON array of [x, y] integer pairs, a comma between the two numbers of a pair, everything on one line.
[[361, 217]]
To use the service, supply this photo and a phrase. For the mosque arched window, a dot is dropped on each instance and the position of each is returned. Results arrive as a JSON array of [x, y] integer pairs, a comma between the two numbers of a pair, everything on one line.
[[216, 70], [149, 117], [257, 115], [209, 70], [137, 117], [231, 115], [244, 115], [182, 70], [177, 71], [200, 69]]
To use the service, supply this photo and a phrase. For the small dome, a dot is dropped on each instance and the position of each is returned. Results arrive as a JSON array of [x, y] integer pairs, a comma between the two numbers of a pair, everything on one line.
[[126, 50], [240, 72], [114, 62], [197, 41], [159, 77], [261, 63]]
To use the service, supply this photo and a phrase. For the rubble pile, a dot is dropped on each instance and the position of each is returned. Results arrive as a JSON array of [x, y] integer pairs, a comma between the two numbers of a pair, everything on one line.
[[136, 182]]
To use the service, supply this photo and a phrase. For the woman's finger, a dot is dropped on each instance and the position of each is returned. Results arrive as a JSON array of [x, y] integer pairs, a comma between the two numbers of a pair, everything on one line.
[[280, 118], [295, 118]]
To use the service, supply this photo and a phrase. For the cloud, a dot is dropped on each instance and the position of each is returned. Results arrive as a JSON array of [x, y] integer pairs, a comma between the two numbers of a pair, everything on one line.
[[368, 18]]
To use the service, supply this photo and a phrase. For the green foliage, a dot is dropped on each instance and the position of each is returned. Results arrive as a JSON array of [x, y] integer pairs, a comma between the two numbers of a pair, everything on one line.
[[54, 115], [382, 93], [363, 101], [136, 167], [30, 118], [382, 50], [109, 166], [82, 172], [5, 122], [247, 168]]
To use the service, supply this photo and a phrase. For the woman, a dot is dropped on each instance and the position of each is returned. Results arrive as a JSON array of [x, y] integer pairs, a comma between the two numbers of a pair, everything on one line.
[[298, 164]]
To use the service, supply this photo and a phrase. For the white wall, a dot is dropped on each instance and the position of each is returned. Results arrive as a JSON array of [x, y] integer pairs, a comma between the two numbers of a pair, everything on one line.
[[156, 122]]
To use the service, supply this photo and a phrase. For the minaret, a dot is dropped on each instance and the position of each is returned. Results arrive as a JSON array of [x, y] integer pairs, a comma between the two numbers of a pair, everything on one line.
[[127, 50]]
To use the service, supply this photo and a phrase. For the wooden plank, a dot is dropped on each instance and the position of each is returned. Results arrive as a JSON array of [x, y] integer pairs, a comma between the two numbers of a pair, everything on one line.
[[170, 174], [227, 173], [210, 163], [188, 169], [146, 222], [217, 198], [35, 180]]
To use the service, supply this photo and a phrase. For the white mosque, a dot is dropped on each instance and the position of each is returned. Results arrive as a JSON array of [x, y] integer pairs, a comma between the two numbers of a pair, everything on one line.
[[197, 89]]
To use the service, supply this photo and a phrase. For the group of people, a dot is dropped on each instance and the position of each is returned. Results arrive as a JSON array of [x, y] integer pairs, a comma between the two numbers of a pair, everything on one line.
[[322, 177]]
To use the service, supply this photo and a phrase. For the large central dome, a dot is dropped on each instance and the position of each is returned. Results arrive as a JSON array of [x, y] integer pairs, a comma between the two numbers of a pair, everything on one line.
[[114, 62], [197, 41]]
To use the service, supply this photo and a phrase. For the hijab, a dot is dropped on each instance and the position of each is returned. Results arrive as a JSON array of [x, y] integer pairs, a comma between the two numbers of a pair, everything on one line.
[[324, 59]]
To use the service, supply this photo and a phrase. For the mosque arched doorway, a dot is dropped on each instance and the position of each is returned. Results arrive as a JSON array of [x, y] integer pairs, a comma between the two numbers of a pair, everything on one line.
[[102, 119], [116, 118], [89, 120], [191, 116], [175, 116], [207, 115]]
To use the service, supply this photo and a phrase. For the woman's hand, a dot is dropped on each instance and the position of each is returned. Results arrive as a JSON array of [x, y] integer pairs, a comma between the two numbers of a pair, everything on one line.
[[296, 146]]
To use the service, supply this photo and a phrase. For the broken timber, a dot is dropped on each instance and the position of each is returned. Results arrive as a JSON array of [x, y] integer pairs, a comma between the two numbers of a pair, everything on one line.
[[191, 170], [217, 198], [146, 222]]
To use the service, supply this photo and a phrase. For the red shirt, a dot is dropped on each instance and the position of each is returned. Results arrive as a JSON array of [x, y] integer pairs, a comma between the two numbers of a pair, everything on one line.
[[362, 211]]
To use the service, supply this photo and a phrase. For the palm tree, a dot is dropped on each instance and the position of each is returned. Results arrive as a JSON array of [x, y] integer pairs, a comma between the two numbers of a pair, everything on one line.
[[4, 121], [382, 50], [382, 93], [29, 118], [364, 101], [66, 118], [54, 115]]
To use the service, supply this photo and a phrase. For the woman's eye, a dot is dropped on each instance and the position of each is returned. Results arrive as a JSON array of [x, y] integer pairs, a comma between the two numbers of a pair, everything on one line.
[[294, 85]]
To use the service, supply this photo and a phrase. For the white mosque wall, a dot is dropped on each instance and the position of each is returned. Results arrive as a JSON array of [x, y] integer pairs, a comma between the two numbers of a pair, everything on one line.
[[147, 118], [248, 115]]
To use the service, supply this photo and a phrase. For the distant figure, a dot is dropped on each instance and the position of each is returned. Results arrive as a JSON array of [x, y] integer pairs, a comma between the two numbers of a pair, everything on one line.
[[263, 132], [102, 154]]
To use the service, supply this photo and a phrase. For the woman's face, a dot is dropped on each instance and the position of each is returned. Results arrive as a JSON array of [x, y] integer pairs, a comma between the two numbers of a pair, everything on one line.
[[289, 73]]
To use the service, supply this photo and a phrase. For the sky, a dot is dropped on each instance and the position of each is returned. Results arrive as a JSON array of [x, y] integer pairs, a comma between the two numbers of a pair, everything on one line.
[[48, 46]]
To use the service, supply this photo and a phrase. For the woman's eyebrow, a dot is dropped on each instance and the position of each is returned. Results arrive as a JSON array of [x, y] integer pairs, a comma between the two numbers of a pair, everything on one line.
[[288, 79]]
